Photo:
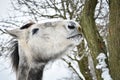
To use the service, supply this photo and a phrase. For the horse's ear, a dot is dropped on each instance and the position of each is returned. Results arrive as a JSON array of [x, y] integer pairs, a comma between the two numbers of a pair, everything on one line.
[[15, 32]]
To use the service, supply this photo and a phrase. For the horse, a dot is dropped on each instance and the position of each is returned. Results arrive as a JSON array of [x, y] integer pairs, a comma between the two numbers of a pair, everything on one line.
[[35, 44]]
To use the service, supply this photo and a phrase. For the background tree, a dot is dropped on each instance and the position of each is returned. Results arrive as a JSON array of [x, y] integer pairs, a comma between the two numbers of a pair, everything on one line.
[[114, 39], [95, 41]]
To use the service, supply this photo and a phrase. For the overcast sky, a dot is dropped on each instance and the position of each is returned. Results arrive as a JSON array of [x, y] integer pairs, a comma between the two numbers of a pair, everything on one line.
[[5, 70], [4, 6]]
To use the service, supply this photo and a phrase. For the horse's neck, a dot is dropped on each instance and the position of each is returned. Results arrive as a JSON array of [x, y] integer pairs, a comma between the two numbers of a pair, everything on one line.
[[23, 69], [33, 71], [29, 69], [36, 71]]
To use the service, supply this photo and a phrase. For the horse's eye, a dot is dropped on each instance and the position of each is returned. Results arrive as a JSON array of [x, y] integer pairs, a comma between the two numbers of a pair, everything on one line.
[[34, 31]]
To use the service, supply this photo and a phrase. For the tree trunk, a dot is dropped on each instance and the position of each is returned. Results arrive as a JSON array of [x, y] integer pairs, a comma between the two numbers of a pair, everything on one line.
[[114, 39], [83, 63], [95, 41]]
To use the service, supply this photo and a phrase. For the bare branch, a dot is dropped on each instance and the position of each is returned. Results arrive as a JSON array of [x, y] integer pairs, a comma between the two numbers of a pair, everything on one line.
[[69, 64], [2, 31], [9, 22]]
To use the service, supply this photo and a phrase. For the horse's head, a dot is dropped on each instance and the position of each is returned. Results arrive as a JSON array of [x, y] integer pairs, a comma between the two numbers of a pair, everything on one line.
[[48, 40]]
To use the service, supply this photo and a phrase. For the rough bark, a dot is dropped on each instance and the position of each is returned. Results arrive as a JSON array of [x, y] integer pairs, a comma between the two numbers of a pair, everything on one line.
[[95, 42], [83, 63], [114, 39]]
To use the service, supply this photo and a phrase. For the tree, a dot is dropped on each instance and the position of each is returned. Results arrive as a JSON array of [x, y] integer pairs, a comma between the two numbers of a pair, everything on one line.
[[95, 41], [114, 39]]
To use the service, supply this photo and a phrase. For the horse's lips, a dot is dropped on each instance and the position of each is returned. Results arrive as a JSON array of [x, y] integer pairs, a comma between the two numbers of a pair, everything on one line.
[[75, 36]]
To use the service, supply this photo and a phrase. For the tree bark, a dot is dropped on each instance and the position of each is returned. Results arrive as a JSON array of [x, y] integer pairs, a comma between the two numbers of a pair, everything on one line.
[[83, 63], [114, 39], [95, 41]]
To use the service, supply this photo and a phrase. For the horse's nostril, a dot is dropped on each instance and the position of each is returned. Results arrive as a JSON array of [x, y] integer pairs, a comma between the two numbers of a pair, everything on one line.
[[71, 26]]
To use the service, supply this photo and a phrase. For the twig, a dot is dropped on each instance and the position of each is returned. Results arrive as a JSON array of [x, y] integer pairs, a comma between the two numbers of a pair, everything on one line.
[[69, 64]]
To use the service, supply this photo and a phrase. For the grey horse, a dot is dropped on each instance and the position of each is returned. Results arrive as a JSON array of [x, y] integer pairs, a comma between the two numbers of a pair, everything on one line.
[[35, 44]]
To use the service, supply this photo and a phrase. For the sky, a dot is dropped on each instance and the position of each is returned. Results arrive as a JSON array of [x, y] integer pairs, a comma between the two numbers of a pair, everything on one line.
[[5, 69], [4, 7], [6, 72]]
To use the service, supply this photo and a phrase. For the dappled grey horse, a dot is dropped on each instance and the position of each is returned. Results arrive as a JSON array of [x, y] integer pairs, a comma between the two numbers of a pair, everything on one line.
[[35, 44]]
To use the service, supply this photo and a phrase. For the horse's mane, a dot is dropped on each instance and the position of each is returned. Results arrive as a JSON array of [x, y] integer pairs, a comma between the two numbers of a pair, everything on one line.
[[14, 54], [15, 49]]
